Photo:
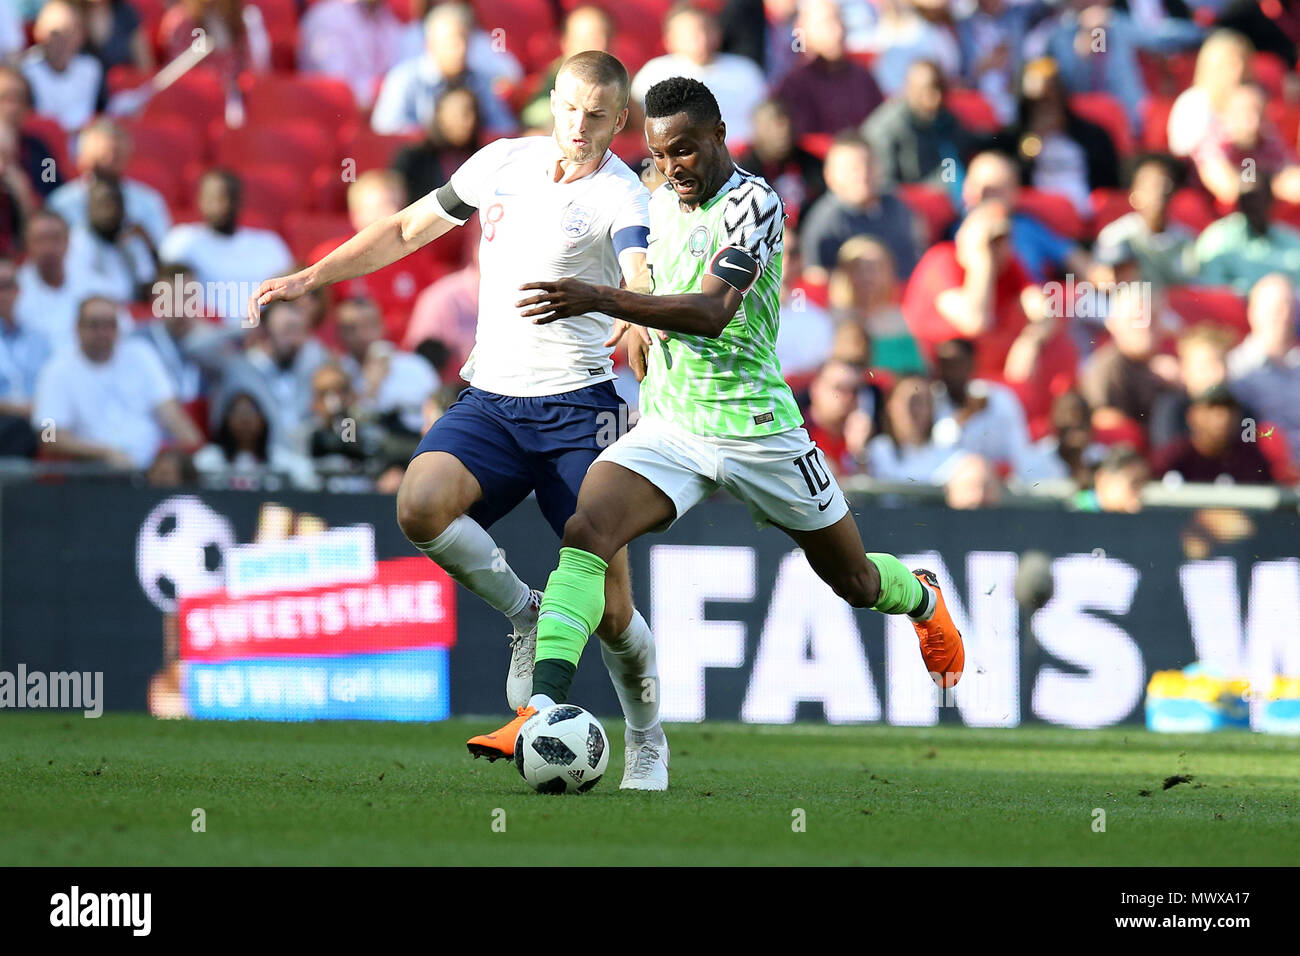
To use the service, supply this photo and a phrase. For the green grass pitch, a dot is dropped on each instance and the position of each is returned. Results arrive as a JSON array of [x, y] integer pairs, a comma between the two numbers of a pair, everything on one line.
[[121, 790]]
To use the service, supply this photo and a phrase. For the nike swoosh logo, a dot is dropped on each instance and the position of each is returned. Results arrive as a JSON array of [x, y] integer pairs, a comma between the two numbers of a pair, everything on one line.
[[731, 265], [823, 507]]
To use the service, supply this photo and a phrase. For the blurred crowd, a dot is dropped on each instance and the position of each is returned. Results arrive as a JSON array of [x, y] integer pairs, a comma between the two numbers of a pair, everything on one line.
[[1027, 242]]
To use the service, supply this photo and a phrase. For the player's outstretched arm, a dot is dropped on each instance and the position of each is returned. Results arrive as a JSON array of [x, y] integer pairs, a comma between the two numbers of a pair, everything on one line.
[[706, 312], [380, 244]]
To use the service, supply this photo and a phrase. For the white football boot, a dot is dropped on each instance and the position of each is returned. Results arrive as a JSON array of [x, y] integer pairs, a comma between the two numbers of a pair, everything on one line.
[[645, 761], [523, 655]]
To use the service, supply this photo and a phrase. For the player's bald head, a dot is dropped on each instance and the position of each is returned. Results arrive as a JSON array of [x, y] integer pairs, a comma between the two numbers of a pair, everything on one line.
[[597, 68]]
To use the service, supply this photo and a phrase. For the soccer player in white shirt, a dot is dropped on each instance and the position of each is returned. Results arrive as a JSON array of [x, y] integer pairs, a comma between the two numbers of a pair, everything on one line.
[[541, 397]]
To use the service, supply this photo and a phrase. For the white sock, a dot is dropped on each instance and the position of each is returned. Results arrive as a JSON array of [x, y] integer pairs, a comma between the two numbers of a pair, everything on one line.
[[470, 556], [540, 702], [630, 659], [931, 603]]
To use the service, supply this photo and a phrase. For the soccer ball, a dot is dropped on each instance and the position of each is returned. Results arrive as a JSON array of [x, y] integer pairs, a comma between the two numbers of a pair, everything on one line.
[[562, 749], [181, 550]]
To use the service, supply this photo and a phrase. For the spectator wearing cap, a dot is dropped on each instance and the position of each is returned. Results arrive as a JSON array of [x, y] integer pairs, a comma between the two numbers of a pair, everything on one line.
[[1264, 370], [1215, 449], [1164, 249], [827, 91], [915, 137], [411, 88], [229, 259], [692, 39], [103, 149], [108, 400], [1244, 246], [855, 204]]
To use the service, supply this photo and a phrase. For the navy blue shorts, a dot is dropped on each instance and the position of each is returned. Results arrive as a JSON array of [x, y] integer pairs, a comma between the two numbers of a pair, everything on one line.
[[514, 446]]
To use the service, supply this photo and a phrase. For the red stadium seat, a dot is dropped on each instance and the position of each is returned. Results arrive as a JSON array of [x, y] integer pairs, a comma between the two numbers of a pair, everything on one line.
[[1218, 305], [301, 142], [50, 132], [304, 231], [819, 144], [270, 192], [1052, 210], [167, 139], [197, 97], [1286, 118], [1191, 208], [1108, 113], [374, 150], [1268, 69], [973, 111], [1155, 122], [161, 175], [126, 77], [515, 22], [320, 99], [930, 204], [1272, 442], [1107, 206]]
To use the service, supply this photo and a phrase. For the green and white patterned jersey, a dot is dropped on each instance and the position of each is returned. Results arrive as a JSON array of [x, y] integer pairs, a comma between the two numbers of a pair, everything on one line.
[[731, 386]]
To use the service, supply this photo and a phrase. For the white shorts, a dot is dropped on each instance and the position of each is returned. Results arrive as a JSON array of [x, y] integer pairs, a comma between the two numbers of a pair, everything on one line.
[[782, 478]]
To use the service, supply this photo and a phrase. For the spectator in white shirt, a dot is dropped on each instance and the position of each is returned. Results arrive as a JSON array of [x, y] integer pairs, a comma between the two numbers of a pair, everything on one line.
[[23, 352], [49, 293], [356, 41], [388, 382], [982, 417], [692, 38], [907, 451], [118, 255], [106, 400], [103, 149], [65, 82], [231, 261]]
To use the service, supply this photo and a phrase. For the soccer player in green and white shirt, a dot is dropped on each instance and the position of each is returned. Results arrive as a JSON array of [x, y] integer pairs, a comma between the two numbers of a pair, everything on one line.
[[716, 411]]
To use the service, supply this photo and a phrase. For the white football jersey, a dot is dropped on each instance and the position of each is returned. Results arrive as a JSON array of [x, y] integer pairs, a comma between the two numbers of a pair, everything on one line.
[[537, 229]]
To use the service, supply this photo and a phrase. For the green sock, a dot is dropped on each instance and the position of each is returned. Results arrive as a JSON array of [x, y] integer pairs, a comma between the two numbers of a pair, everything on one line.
[[900, 591], [571, 609], [553, 677]]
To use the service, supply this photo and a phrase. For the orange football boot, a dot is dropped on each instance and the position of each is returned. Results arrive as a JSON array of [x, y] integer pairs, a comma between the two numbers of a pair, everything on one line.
[[941, 646], [500, 743]]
